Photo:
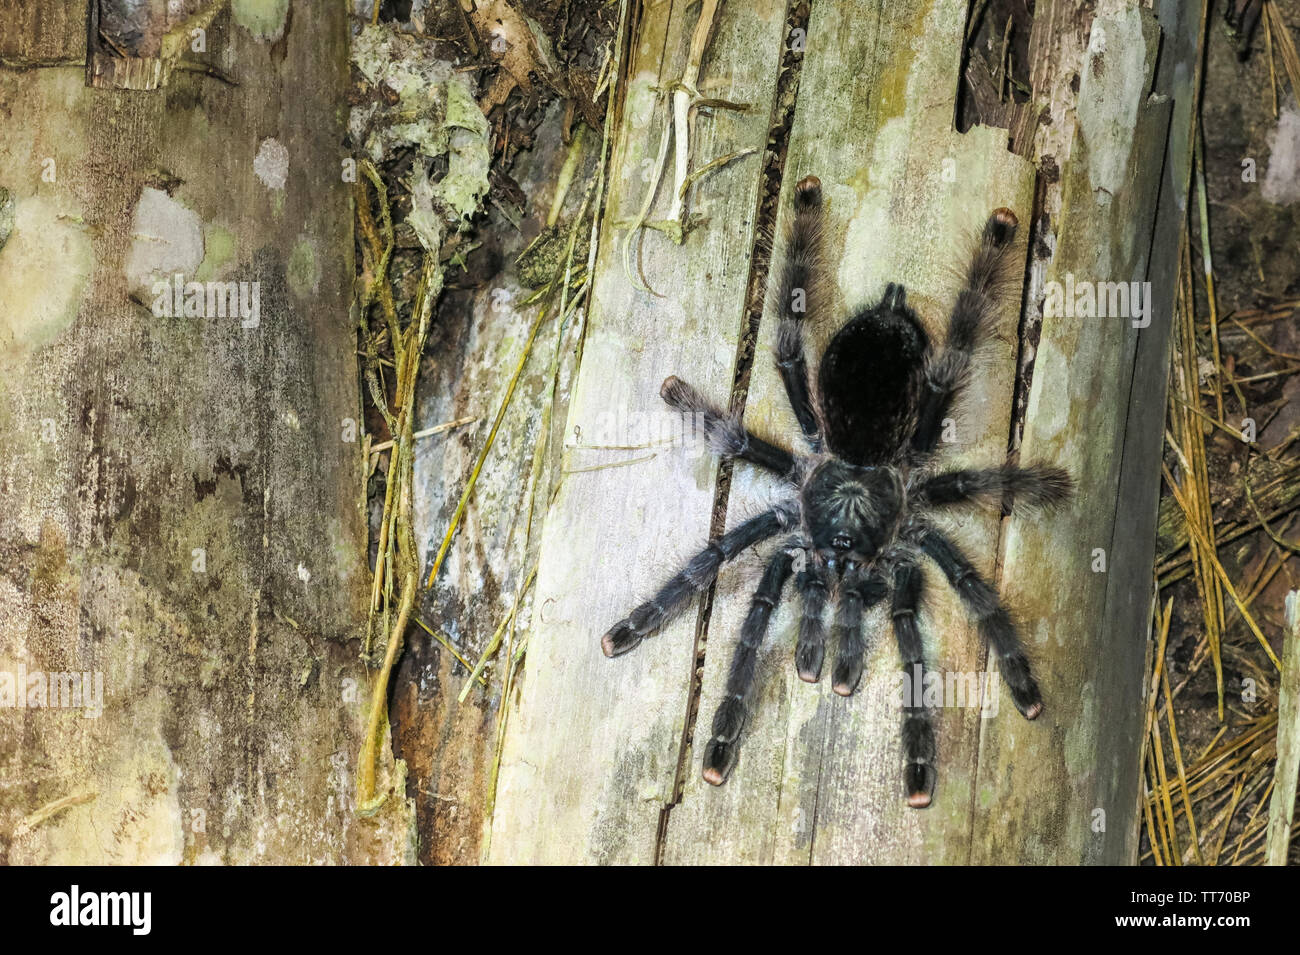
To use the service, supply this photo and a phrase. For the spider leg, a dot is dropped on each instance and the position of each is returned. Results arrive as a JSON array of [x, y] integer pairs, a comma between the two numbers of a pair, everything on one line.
[[1034, 486], [995, 623], [811, 648], [858, 591], [918, 734], [796, 294], [946, 372], [696, 576], [726, 435], [729, 720]]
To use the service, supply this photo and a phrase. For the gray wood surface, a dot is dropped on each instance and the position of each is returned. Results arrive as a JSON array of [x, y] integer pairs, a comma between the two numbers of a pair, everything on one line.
[[592, 752], [819, 778], [1065, 791], [596, 744]]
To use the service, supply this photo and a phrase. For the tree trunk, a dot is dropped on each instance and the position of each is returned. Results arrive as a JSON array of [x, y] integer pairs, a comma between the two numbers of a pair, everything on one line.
[[181, 505], [601, 759]]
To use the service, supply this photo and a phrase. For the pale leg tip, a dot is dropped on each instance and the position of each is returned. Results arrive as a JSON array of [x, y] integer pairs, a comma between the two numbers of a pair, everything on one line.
[[1006, 217]]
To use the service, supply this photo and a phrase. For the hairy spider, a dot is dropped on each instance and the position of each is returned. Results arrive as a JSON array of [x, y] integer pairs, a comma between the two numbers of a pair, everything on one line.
[[856, 516]]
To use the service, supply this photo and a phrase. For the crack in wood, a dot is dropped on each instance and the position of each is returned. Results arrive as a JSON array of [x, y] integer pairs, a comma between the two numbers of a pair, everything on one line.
[[778, 138]]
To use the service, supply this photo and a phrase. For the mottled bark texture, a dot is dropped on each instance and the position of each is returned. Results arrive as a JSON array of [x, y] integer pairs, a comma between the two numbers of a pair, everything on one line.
[[180, 497]]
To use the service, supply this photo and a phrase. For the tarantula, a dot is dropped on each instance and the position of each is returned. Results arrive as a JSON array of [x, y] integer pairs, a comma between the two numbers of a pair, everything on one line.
[[856, 517]]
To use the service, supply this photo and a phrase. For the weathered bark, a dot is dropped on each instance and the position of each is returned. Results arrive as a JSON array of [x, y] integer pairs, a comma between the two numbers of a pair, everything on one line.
[[449, 743], [599, 763], [1281, 809], [233, 696], [1069, 794]]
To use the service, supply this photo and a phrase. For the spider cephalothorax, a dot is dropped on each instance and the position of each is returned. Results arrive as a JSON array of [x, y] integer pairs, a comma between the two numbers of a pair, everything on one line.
[[855, 523]]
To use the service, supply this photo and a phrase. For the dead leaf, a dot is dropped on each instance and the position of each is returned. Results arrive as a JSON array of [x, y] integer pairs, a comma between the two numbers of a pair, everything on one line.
[[517, 44]]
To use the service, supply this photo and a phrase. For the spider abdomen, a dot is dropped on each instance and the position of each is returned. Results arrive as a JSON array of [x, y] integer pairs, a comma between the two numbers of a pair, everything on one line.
[[869, 380]]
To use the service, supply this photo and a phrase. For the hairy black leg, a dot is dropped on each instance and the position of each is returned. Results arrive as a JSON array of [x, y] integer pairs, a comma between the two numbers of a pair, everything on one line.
[[995, 623], [918, 734], [811, 649], [859, 591], [728, 722], [695, 577], [946, 372], [1033, 486], [795, 297], [726, 435]]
